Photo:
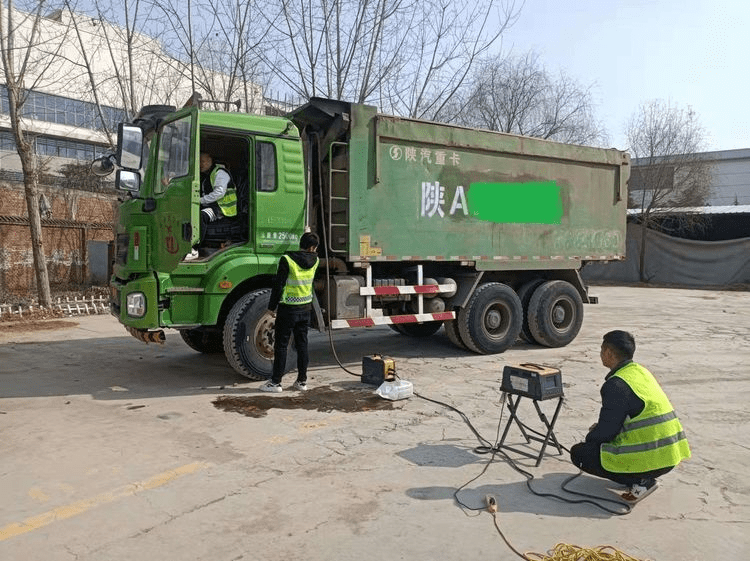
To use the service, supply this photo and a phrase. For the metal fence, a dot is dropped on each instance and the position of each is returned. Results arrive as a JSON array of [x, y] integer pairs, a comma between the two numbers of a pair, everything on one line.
[[68, 306]]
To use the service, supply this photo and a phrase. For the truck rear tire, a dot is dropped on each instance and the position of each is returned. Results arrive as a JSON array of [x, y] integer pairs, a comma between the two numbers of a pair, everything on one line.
[[249, 337], [420, 329], [203, 340], [524, 294], [492, 320], [555, 313], [451, 330]]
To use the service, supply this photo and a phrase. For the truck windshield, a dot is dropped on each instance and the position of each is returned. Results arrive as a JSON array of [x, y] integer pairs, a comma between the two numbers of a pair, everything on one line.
[[174, 152]]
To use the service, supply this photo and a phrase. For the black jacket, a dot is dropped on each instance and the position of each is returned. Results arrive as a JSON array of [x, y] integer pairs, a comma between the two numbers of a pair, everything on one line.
[[618, 402], [304, 259]]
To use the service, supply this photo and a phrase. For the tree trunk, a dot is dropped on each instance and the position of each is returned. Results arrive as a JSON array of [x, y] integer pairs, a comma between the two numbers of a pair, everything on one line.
[[35, 224], [37, 246]]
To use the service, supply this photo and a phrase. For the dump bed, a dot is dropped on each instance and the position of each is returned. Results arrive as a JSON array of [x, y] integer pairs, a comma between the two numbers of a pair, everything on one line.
[[402, 189]]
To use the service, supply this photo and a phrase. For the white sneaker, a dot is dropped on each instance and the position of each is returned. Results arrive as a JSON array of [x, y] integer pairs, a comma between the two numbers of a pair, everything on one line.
[[300, 386], [637, 493], [271, 387], [192, 256]]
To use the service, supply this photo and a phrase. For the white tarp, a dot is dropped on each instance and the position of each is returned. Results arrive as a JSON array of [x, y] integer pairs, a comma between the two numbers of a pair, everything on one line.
[[678, 261]]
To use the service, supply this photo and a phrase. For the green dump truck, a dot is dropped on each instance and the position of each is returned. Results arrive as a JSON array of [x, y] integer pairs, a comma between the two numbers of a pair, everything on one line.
[[423, 225]]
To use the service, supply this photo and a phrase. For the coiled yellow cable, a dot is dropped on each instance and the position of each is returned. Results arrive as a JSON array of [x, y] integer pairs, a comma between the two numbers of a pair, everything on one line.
[[568, 552]]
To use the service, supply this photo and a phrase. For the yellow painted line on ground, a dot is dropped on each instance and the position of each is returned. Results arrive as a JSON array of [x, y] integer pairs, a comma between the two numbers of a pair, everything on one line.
[[74, 509]]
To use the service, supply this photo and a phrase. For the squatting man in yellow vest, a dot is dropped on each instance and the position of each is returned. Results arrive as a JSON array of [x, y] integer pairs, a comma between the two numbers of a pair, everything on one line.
[[218, 196], [292, 294], [638, 436]]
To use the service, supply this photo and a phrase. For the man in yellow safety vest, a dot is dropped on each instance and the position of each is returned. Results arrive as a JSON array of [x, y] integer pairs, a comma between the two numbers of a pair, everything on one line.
[[292, 294], [638, 436], [218, 196]]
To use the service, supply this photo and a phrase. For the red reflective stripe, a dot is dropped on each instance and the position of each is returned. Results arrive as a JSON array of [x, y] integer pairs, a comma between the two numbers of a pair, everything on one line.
[[443, 316], [396, 290], [386, 290], [403, 319], [425, 288], [364, 322]]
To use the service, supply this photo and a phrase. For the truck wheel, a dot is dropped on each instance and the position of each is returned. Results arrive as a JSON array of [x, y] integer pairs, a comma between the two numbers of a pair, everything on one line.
[[420, 329], [492, 320], [555, 313], [249, 336], [451, 330], [524, 294], [397, 328], [203, 340]]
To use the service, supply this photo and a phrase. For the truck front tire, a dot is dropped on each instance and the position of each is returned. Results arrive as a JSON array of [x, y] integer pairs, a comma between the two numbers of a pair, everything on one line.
[[249, 337], [555, 313], [492, 320]]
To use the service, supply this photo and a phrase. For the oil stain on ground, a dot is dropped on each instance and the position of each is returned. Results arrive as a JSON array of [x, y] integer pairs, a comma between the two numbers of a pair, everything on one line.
[[324, 399]]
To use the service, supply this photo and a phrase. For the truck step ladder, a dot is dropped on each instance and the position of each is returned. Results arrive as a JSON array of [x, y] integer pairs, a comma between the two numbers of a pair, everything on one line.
[[338, 197]]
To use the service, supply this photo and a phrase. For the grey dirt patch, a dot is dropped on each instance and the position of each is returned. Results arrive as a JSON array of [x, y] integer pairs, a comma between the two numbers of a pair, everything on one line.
[[324, 399]]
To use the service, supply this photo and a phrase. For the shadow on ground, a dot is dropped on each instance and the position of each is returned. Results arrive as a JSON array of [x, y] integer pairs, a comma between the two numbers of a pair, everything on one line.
[[516, 496], [116, 368]]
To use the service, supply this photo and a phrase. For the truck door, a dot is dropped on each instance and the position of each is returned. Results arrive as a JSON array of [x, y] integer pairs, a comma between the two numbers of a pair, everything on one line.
[[175, 181], [279, 194]]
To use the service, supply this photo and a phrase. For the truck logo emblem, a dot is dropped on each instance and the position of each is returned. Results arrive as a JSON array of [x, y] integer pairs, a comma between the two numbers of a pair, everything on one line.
[[170, 242]]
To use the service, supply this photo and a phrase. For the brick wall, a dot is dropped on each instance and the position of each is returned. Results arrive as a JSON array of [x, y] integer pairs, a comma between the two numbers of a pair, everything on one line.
[[77, 217]]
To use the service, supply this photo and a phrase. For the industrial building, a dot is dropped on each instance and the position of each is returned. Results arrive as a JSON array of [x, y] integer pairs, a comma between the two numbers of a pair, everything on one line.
[[71, 123]]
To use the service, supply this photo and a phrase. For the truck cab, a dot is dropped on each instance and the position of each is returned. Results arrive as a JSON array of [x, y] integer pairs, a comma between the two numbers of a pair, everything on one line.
[[153, 286]]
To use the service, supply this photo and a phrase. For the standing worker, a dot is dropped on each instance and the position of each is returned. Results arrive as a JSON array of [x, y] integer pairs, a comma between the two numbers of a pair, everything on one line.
[[218, 196], [292, 293], [638, 436]]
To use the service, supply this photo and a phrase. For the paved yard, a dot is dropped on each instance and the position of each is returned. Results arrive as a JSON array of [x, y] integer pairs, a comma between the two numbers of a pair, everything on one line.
[[114, 450]]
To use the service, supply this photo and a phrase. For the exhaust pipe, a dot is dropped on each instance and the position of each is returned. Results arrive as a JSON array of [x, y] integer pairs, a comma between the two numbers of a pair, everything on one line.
[[147, 336]]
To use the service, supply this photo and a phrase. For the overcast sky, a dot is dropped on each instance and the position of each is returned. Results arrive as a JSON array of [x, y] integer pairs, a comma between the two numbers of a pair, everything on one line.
[[689, 52]]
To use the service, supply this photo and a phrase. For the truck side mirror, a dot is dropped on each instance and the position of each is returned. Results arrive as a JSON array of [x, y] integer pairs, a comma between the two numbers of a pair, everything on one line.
[[129, 147], [128, 181], [103, 166]]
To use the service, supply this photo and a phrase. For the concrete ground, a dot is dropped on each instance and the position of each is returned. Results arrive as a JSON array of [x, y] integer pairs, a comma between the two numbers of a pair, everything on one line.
[[114, 450]]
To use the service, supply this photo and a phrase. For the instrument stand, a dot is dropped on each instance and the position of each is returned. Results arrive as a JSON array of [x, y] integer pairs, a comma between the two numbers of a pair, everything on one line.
[[528, 433]]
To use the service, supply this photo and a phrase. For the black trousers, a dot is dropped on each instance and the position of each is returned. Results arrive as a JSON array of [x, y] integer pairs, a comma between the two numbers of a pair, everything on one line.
[[585, 456], [209, 213], [290, 320]]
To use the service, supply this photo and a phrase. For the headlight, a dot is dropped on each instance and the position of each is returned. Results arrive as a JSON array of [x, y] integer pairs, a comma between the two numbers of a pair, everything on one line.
[[136, 304]]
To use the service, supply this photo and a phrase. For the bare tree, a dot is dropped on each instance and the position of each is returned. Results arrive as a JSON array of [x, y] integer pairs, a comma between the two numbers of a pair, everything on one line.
[[125, 66], [28, 50], [219, 51], [180, 39], [665, 142], [228, 60], [518, 95], [408, 57]]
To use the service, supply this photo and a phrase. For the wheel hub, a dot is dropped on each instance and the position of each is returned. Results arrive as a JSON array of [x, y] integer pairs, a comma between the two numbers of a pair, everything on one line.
[[494, 319], [558, 314], [263, 338]]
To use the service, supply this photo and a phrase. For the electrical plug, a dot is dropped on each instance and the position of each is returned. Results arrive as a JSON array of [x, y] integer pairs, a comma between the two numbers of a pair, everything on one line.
[[491, 503]]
